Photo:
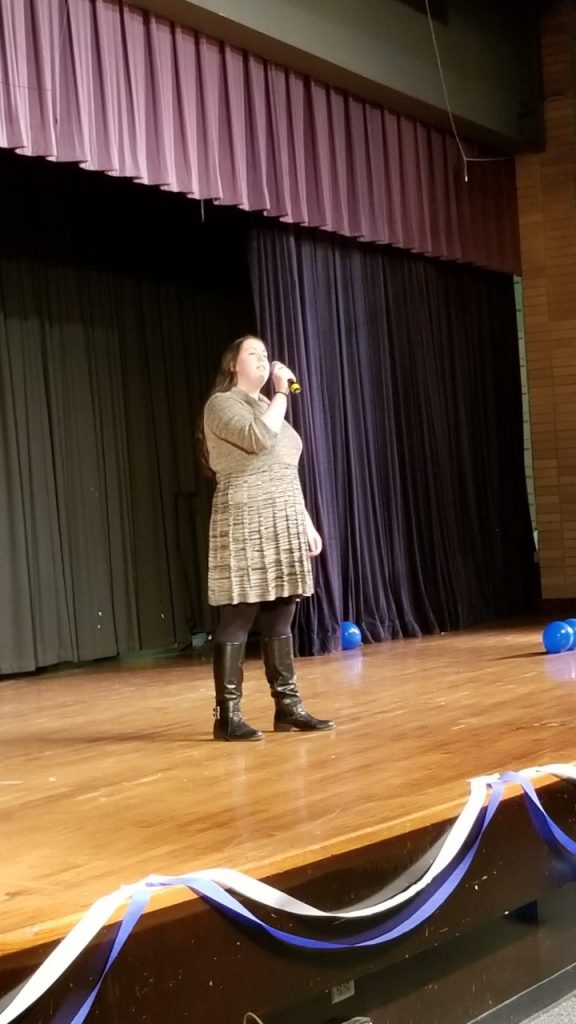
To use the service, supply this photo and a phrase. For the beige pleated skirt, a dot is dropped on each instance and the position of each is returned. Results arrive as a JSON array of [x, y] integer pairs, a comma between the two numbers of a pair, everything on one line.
[[258, 547]]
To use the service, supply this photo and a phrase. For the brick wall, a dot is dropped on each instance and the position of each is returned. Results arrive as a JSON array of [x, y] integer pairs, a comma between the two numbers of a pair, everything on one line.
[[547, 211]]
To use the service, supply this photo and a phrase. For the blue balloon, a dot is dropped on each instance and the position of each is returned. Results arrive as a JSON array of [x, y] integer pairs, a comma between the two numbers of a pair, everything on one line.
[[557, 637], [572, 624], [351, 636]]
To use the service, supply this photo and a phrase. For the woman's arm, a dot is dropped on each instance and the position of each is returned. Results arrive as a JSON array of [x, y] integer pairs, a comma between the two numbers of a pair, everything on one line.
[[276, 411], [314, 539], [233, 420]]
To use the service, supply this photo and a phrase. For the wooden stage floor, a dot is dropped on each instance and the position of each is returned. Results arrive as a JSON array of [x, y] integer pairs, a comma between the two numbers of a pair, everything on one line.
[[110, 773]]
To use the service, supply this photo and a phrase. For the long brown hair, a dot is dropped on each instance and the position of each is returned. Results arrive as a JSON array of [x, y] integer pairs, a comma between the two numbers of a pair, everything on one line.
[[226, 379]]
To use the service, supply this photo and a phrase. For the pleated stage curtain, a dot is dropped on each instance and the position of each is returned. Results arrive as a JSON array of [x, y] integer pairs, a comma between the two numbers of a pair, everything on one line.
[[411, 415], [119, 90], [115, 304]]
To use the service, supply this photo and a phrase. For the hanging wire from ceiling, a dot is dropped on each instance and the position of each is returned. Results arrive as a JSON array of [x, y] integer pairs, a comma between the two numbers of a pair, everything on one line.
[[465, 158]]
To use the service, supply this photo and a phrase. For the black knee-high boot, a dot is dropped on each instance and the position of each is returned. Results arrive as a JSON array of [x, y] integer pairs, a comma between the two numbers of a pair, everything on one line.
[[290, 713], [228, 679]]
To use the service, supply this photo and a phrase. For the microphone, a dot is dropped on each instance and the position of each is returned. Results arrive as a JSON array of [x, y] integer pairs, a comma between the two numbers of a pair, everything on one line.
[[293, 386]]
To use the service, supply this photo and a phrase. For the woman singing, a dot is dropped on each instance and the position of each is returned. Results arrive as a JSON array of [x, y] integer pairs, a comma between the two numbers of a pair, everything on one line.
[[261, 536]]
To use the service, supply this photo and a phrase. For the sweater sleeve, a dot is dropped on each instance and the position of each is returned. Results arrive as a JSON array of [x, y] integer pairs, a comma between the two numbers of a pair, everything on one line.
[[237, 423]]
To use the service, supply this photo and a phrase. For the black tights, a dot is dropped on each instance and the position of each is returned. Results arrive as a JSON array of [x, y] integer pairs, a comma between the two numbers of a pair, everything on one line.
[[236, 620]]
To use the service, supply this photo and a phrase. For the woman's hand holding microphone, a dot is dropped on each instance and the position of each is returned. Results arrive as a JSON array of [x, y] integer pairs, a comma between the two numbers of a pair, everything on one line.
[[276, 411], [283, 379]]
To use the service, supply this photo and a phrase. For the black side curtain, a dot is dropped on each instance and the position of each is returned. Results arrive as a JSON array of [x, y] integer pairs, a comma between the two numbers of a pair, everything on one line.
[[115, 305], [411, 415]]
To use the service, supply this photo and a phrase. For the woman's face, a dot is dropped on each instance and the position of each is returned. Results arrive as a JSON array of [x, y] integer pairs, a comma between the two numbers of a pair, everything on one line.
[[252, 366]]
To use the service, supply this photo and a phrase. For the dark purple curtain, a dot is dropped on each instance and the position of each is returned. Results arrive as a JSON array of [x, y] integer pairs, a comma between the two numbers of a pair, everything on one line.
[[412, 421], [119, 90]]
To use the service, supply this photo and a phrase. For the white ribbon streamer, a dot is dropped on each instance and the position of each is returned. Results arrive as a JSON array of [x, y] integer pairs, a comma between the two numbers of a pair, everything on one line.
[[98, 915]]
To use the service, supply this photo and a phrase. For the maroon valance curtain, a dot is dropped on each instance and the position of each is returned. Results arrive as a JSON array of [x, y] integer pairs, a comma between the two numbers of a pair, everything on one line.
[[118, 90]]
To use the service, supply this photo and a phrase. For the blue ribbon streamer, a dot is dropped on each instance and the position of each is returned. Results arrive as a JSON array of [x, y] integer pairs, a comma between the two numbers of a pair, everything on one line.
[[545, 825], [136, 907], [419, 910], [399, 925], [226, 903]]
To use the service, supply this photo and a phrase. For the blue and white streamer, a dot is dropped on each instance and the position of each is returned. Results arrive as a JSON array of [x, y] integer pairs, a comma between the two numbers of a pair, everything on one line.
[[223, 888]]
